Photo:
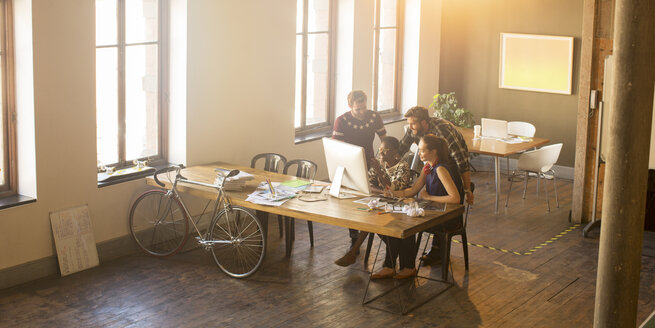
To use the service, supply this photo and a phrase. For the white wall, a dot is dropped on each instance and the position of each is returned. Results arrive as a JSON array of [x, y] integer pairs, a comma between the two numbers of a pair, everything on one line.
[[239, 100]]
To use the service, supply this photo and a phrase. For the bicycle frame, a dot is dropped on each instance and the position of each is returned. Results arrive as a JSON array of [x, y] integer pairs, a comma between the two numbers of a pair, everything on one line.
[[221, 198]]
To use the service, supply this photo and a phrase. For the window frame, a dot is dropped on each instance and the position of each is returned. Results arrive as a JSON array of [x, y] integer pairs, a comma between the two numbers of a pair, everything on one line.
[[10, 188], [305, 129], [388, 112], [162, 85]]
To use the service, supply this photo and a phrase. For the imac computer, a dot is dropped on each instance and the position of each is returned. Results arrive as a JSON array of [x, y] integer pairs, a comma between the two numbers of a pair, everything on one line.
[[346, 164]]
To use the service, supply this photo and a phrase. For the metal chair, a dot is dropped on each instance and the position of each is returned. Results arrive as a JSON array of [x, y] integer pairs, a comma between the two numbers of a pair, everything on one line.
[[305, 169], [272, 163], [539, 162], [447, 241], [523, 129]]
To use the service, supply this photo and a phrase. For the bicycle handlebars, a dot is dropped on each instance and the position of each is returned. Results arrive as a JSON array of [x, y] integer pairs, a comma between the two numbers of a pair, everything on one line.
[[167, 169]]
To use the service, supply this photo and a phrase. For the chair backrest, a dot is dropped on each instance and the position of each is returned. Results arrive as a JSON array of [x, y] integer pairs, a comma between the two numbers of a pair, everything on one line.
[[306, 169], [273, 162], [540, 160], [523, 129]]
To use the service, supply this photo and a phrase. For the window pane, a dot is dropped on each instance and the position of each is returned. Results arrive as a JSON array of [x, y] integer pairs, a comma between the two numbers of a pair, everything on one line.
[[317, 78], [388, 13], [386, 69], [107, 105], [3, 142], [141, 101], [298, 111], [106, 22], [299, 15], [141, 20], [318, 15]]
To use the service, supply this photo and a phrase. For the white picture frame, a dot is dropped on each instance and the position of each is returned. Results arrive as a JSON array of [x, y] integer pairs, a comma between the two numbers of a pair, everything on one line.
[[541, 63]]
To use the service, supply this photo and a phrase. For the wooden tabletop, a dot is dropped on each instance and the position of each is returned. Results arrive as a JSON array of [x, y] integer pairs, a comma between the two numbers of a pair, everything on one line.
[[333, 211], [496, 147]]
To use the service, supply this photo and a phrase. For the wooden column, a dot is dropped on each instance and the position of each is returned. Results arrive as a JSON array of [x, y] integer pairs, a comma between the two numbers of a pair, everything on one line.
[[619, 260]]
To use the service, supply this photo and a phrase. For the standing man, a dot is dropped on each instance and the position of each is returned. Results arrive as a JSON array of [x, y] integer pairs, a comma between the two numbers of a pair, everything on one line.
[[359, 127], [420, 124]]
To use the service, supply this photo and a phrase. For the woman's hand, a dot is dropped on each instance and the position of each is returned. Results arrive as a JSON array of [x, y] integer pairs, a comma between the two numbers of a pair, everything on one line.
[[389, 193], [424, 194]]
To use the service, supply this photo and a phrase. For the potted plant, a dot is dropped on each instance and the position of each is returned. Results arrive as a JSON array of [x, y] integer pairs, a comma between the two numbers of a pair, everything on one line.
[[445, 106]]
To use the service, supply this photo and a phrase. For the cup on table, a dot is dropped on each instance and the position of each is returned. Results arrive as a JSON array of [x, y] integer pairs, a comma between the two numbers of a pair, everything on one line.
[[477, 129]]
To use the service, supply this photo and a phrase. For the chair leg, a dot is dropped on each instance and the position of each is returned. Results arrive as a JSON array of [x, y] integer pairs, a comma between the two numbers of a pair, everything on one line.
[[546, 190], [279, 223], [538, 178], [369, 245], [465, 248], [525, 183], [511, 180], [310, 227], [445, 259], [555, 187]]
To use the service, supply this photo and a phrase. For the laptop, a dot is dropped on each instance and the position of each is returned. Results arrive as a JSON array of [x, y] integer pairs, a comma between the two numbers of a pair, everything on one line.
[[494, 128]]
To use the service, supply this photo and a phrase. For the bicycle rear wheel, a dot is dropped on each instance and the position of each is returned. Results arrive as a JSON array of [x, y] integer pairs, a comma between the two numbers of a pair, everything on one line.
[[238, 242], [158, 223]]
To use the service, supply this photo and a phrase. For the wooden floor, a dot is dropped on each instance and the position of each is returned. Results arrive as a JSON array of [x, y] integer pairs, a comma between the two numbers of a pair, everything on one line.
[[552, 287]]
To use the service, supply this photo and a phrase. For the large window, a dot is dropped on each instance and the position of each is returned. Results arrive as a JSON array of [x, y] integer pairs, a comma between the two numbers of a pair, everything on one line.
[[313, 65], [8, 115], [129, 80], [385, 70]]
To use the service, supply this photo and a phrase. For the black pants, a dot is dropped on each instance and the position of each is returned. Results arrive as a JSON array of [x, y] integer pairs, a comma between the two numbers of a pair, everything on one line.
[[353, 234], [403, 248]]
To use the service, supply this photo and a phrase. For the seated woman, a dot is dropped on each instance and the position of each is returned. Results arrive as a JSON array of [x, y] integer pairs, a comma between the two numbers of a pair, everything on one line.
[[441, 180], [398, 173]]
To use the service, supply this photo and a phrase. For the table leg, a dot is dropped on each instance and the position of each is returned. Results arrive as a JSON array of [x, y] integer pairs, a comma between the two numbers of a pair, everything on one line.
[[497, 178]]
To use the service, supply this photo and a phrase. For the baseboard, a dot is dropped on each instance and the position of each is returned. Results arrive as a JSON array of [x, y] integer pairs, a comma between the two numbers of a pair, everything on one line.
[[48, 266], [486, 163]]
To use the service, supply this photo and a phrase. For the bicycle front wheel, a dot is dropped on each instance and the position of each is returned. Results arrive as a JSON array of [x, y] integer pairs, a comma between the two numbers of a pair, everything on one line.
[[238, 242], [158, 223]]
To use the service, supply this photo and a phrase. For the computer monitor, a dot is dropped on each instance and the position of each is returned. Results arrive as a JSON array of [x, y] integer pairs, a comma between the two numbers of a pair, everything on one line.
[[346, 164], [494, 128]]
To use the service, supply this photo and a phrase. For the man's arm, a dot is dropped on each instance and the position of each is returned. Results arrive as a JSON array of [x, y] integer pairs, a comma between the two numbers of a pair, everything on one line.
[[466, 183], [405, 143]]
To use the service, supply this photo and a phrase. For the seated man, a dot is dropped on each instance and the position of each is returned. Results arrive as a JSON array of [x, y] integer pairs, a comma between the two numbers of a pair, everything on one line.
[[398, 173]]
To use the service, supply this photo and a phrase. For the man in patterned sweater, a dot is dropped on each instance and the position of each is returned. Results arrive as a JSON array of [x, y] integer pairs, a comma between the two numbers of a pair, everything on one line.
[[359, 127]]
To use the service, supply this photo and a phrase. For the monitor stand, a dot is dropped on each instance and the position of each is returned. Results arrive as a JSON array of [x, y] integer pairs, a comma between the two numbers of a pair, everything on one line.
[[335, 188]]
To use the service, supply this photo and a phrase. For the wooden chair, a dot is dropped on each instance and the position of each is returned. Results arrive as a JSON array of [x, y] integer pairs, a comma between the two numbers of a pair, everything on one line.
[[305, 169], [272, 163]]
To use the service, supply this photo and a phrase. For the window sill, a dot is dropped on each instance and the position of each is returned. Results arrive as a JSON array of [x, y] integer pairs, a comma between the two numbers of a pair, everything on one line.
[[15, 200], [130, 177], [386, 119]]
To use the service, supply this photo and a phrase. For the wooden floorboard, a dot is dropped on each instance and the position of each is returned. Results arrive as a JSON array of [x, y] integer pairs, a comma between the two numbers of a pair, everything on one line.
[[552, 287]]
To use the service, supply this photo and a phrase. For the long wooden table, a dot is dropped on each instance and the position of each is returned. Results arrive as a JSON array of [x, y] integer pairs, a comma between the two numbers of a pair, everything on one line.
[[497, 149], [339, 212]]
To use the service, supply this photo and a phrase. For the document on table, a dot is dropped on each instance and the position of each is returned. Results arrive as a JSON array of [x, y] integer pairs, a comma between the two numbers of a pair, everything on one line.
[[264, 197]]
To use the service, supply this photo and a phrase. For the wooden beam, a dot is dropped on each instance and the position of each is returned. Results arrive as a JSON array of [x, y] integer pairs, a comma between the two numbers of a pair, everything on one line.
[[619, 256]]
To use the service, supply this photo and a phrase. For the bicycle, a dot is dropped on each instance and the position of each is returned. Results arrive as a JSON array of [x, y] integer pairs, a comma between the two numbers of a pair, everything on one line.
[[159, 224]]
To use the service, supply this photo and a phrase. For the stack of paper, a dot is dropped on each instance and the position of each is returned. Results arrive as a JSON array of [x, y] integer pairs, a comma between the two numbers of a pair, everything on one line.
[[265, 197], [235, 183]]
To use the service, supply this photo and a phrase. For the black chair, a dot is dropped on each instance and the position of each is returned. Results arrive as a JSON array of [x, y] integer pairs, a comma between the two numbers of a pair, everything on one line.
[[449, 234], [305, 169], [272, 163]]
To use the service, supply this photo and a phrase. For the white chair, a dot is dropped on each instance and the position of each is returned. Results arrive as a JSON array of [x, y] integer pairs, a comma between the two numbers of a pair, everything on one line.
[[523, 129], [538, 161]]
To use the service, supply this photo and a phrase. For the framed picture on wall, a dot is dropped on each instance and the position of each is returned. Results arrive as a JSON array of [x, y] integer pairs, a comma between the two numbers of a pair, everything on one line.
[[541, 63]]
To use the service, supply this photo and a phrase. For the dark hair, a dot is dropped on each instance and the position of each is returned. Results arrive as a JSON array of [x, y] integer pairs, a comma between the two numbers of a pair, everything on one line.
[[391, 142], [433, 142], [356, 95], [418, 112]]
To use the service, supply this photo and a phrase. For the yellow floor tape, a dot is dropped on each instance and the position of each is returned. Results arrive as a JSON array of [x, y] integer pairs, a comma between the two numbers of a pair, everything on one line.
[[531, 250]]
